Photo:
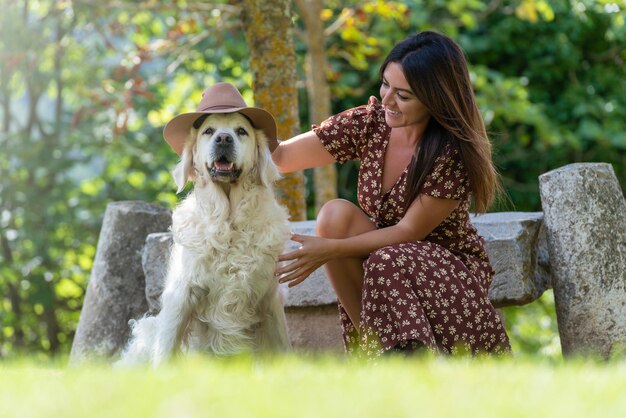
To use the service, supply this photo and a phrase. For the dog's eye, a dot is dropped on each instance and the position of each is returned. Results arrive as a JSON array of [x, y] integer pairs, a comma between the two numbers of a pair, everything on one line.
[[209, 131], [241, 131]]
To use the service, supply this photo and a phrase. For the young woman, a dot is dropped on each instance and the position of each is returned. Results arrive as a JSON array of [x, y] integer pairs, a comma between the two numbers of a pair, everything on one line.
[[408, 267]]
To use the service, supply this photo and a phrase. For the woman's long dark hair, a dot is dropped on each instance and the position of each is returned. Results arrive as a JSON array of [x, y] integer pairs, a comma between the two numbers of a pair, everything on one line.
[[436, 69]]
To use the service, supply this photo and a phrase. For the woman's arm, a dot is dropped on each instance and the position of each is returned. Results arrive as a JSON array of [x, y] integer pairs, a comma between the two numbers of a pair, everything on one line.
[[422, 217], [300, 152]]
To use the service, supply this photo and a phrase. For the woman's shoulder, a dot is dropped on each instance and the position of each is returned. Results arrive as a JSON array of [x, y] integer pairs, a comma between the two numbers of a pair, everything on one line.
[[375, 109], [448, 177], [374, 115], [374, 104], [364, 116], [350, 134], [450, 150]]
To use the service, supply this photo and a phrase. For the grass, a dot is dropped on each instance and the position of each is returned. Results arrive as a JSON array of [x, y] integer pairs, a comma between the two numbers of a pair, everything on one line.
[[298, 386]]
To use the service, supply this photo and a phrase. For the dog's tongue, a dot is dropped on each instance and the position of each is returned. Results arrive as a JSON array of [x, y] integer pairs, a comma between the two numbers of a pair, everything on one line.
[[223, 166]]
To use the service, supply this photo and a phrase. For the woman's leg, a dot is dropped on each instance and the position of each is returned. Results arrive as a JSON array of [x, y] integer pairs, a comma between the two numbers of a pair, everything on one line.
[[340, 218]]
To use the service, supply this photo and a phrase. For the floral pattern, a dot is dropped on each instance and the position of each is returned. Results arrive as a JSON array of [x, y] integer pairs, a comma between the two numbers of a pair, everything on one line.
[[431, 293]]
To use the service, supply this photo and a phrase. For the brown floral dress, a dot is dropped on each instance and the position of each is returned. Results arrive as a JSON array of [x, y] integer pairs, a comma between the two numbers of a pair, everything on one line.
[[429, 293]]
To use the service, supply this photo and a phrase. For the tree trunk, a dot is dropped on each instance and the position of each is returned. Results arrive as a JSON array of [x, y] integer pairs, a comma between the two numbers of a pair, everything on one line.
[[269, 34], [53, 329], [325, 178], [13, 294]]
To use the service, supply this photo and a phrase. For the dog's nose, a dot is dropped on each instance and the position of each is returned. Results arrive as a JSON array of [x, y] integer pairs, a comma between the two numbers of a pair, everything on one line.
[[224, 139]]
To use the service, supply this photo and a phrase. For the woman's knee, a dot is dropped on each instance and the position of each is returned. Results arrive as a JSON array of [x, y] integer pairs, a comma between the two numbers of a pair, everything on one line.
[[339, 218], [381, 259]]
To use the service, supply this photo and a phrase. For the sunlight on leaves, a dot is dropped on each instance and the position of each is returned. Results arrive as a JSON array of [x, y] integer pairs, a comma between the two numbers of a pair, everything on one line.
[[532, 10], [68, 289], [136, 179], [92, 187]]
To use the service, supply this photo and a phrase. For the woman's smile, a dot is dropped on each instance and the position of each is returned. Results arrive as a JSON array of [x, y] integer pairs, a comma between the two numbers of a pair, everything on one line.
[[392, 113], [402, 107]]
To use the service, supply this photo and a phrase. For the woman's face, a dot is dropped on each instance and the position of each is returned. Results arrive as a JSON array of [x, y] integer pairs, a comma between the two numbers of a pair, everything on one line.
[[402, 108]]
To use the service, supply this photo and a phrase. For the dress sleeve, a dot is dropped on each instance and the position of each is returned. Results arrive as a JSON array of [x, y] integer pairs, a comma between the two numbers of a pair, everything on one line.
[[448, 179], [345, 135]]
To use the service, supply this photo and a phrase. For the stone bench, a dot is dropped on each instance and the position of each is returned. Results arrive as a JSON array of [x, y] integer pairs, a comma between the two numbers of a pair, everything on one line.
[[526, 251], [515, 242]]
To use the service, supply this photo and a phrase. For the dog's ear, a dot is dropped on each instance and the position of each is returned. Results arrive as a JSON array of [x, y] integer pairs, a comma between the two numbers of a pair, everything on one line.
[[265, 169], [183, 172]]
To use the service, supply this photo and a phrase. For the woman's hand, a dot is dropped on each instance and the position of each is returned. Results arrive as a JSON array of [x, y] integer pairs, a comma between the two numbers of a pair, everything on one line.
[[313, 253]]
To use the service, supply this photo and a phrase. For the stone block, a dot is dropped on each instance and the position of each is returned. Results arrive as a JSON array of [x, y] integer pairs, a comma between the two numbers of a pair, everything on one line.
[[314, 328], [116, 289], [515, 243], [155, 259], [585, 219]]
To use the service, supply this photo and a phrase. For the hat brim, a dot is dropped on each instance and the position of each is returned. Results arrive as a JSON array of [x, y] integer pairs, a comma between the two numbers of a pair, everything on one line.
[[177, 130]]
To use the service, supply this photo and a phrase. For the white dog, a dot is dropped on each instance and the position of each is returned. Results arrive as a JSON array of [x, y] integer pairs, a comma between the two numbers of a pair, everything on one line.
[[220, 294]]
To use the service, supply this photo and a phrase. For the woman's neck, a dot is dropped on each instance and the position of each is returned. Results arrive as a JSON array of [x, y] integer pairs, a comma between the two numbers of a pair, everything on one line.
[[408, 136]]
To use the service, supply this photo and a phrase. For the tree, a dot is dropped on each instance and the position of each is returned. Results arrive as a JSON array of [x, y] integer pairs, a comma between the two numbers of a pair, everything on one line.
[[79, 88], [40, 244], [269, 33], [318, 90], [551, 84]]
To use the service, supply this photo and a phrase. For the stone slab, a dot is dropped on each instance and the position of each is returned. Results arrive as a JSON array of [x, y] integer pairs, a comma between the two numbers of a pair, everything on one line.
[[585, 217], [116, 288], [514, 242], [516, 246], [314, 328]]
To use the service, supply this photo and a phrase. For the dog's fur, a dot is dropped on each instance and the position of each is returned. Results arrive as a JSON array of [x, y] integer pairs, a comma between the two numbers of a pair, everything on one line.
[[220, 293]]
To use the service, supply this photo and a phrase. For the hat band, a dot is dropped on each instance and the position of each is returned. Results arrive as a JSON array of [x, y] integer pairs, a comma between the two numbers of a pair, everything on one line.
[[221, 107], [198, 122]]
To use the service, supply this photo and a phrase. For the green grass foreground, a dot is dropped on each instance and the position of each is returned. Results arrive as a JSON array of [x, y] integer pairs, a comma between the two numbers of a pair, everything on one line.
[[317, 387]]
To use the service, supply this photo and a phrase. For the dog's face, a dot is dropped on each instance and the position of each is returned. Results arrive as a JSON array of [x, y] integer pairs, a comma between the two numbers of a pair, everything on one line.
[[225, 147]]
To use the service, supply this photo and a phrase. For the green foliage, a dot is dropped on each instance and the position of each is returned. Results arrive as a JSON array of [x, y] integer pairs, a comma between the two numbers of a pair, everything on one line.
[[47, 239], [85, 89], [567, 61], [85, 92], [548, 76], [532, 328], [322, 387]]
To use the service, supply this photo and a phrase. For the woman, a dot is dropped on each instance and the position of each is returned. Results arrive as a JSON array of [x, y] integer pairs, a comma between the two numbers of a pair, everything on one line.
[[408, 268]]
